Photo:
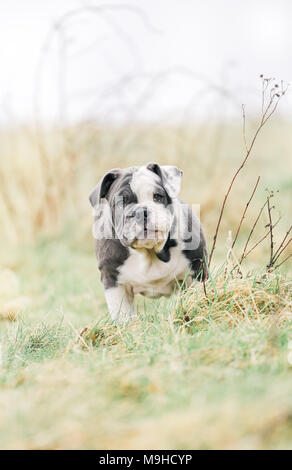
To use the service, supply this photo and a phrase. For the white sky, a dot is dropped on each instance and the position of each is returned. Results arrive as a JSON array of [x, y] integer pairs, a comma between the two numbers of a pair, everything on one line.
[[103, 65]]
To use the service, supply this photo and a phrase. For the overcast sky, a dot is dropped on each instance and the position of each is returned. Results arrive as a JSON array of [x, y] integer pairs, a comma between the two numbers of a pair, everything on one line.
[[175, 58]]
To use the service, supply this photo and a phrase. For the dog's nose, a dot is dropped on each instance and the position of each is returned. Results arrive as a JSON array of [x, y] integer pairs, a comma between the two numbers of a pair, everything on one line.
[[141, 214]]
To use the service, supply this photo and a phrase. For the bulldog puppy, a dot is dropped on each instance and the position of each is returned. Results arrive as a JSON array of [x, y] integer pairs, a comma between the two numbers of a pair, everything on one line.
[[147, 240]]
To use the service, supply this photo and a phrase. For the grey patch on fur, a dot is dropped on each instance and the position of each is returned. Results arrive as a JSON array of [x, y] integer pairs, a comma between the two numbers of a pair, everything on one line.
[[195, 248], [110, 252]]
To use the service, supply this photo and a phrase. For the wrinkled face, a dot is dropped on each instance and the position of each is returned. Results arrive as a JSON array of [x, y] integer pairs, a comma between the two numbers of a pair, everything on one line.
[[141, 208], [135, 205]]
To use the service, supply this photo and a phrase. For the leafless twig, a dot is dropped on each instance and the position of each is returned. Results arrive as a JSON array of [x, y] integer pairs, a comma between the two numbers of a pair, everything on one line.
[[271, 231], [251, 232], [260, 240], [274, 255], [244, 212], [267, 111], [279, 251], [284, 261]]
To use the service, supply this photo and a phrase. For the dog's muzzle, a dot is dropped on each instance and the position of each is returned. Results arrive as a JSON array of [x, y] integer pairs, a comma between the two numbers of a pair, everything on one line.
[[140, 231]]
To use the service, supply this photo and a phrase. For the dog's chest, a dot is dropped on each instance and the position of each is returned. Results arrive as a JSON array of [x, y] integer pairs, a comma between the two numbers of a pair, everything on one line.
[[148, 275]]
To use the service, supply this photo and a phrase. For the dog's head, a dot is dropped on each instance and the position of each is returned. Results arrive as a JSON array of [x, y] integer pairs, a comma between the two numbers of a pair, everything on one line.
[[137, 203]]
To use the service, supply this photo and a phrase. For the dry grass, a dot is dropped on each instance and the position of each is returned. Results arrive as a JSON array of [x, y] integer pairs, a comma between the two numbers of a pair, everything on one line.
[[46, 177], [266, 297], [191, 372], [199, 370]]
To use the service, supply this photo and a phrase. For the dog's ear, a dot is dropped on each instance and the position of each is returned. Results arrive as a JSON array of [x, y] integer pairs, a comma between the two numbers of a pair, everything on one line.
[[170, 175], [101, 189]]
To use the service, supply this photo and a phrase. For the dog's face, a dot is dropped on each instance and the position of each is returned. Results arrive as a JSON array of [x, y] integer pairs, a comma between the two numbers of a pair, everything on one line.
[[143, 210], [138, 201]]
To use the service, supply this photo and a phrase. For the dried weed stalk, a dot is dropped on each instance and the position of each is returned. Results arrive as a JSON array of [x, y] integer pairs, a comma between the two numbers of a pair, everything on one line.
[[271, 96]]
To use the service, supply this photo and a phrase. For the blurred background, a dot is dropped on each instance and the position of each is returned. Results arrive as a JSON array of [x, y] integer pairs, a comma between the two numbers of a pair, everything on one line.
[[86, 86]]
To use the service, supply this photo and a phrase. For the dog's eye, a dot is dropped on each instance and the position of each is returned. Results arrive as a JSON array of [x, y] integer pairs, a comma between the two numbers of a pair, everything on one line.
[[157, 197]]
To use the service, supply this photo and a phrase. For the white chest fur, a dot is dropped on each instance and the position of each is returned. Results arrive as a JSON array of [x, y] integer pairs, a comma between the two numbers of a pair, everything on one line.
[[145, 273]]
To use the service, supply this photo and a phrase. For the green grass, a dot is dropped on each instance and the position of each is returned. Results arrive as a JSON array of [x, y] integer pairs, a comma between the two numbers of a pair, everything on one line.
[[191, 372]]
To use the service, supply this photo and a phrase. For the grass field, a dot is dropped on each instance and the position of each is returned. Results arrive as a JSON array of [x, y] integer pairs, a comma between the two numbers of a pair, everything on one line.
[[194, 371]]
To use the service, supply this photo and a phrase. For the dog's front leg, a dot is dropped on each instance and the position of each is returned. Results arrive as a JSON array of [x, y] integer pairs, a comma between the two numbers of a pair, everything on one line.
[[120, 303]]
